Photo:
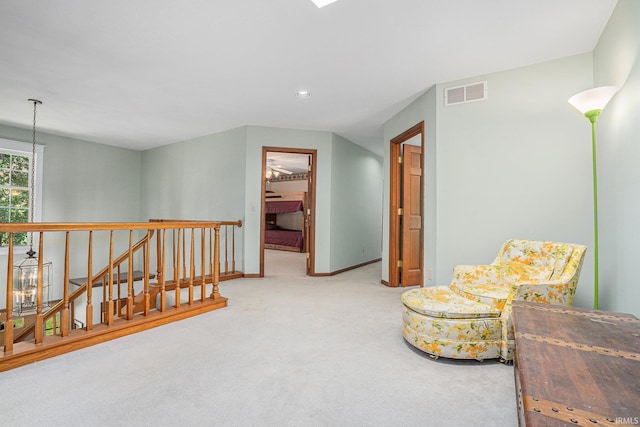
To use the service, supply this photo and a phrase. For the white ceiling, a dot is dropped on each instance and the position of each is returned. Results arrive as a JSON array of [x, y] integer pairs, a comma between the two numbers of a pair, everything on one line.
[[146, 73], [294, 162]]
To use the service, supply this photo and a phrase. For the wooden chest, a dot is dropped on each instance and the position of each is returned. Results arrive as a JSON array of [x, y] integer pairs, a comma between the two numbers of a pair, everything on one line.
[[576, 367]]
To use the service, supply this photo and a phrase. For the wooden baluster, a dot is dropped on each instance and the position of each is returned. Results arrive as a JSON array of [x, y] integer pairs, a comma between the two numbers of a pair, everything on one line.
[[109, 304], [8, 323], [226, 251], [39, 331], [163, 295], [173, 254], [176, 248], [211, 253], [72, 314], [130, 279], [54, 324], [176, 272], [192, 267], [159, 256], [215, 294], [64, 317], [103, 285], [203, 270], [233, 249], [89, 324], [119, 301], [145, 271], [184, 256]]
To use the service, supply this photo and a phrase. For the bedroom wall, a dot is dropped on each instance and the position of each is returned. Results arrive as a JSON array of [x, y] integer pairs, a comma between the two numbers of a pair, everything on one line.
[[356, 205], [617, 63], [287, 186], [83, 181], [258, 137]]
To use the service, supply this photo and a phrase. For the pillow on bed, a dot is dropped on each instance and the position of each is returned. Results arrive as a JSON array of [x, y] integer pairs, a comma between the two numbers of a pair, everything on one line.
[[269, 226]]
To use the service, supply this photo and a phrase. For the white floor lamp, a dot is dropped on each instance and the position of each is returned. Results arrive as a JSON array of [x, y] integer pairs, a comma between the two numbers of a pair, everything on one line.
[[591, 103]]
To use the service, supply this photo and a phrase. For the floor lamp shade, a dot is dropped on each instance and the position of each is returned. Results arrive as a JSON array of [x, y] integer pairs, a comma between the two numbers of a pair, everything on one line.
[[590, 103], [592, 99]]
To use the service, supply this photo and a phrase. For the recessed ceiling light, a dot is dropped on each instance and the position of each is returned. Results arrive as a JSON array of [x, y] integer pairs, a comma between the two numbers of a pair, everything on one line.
[[322, 3], [303, 94]]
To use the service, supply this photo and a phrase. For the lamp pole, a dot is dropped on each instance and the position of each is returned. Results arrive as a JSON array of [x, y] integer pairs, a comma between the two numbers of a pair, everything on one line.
[[590, 103], [593, 117]]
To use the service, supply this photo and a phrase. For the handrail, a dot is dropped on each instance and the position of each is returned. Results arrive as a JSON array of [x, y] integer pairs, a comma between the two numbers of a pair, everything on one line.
[[236, 223], [33, 227]]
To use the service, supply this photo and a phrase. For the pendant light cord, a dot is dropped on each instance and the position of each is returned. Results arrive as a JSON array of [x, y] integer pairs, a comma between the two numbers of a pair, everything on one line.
[[33, 171]]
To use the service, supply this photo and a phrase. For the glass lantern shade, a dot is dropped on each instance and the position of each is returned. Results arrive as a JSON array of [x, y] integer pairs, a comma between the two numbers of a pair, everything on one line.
[[25, 285]]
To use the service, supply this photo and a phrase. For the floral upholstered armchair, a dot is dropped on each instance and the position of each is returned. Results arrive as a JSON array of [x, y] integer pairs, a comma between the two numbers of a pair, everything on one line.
[[471, 318]]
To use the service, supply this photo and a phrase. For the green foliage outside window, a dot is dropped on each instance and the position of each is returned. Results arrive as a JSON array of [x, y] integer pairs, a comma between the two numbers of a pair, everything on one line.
[[14, 194]]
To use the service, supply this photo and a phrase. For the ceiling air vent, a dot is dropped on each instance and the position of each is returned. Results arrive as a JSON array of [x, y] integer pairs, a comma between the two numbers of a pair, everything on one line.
[[467, 93]]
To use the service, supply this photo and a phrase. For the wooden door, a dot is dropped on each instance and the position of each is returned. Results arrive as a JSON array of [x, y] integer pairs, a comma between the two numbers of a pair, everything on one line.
[[307, 216], [395, 203], [411, 270]]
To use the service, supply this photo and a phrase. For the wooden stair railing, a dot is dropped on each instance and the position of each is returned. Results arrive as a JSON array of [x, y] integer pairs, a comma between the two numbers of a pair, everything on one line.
[[192, 248], [229, 271], [62, 306]]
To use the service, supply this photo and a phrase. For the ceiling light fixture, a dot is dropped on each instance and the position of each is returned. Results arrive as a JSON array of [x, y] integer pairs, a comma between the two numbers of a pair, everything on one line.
[[31, 275], [303, 94], [322, 3]]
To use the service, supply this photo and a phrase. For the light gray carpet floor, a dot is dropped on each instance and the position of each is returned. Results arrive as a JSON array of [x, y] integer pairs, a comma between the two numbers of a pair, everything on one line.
[[289, 350]]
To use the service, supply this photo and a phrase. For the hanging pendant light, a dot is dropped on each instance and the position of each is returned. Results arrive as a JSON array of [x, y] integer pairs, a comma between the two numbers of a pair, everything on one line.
[[27, 275]]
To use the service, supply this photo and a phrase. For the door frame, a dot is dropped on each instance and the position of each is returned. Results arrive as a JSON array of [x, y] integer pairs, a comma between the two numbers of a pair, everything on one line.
[[395, 230], [311, 203]]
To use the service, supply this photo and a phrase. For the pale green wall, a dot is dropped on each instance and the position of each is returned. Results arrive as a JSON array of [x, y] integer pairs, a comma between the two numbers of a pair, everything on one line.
[[422, 109], [617, 63], [513, 166], [83, 182], [356, 204], [202, 178], [74, 170]]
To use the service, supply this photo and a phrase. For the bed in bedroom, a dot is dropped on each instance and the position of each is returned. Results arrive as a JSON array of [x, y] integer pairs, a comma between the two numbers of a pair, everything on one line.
[[284, 221]]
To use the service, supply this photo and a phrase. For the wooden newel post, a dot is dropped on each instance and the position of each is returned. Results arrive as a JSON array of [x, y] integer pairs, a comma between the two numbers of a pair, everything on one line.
[[215, 293], [8, 324], [130, 278], [64, 319], [39, 330], [146, 272], [110, 306], [89, 307]]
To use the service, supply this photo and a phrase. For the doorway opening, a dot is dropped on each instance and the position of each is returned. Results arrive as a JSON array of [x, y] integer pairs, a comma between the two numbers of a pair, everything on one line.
[[288, 206], [406, 218]]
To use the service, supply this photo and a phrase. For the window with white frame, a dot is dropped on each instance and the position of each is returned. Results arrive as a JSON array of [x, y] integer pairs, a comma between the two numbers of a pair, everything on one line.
[[15, 187]]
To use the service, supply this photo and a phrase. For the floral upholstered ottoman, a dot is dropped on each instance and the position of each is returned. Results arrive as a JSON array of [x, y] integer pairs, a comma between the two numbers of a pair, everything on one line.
[[440, 322]]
